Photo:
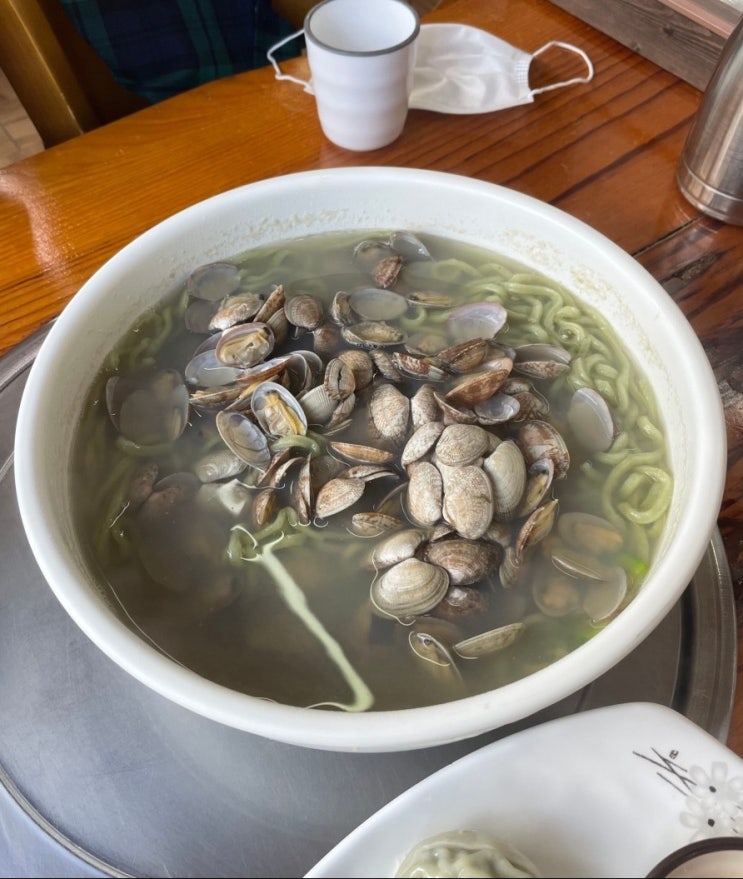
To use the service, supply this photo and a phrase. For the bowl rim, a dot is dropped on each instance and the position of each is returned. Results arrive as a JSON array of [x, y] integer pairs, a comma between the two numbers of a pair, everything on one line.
[[692, 851], [371, 731]]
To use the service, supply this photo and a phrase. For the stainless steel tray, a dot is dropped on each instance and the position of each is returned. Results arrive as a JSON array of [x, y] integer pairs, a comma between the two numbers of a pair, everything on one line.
[[102, 777]]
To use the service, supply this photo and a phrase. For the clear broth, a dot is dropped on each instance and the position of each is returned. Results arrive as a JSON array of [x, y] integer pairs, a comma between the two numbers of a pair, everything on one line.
[[254, 642]]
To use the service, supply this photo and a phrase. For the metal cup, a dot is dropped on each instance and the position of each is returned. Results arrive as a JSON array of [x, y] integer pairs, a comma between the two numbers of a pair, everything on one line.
[[710, 174]]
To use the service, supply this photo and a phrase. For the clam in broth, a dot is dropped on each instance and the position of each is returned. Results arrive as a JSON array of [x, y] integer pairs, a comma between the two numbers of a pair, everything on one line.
[[370, 471]]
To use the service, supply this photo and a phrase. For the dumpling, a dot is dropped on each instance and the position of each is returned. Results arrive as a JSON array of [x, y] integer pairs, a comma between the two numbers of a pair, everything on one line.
[[464, 853]]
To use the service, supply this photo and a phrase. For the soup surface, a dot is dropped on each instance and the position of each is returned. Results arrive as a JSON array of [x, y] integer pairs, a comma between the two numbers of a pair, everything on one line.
[[370, 471]]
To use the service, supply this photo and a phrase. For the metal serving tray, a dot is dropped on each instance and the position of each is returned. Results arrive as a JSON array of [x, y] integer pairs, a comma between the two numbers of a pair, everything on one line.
[[99, 776]]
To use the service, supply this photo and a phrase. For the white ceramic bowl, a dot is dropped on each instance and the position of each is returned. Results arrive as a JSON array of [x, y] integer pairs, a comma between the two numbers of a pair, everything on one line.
[[653, 328]]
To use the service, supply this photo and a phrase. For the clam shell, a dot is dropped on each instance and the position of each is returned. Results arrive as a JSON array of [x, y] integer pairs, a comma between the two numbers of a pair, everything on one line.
[[360, 364], [476, 387], [579, 564], [341, 416], [461, 602], [468, 502], [427, 342], [386, 270], [302, 492], [235, 310], [541, 361], [341, 312], [591, 420], [420, 368], [389, 411], [304, 311], [373, 524], [424, 494], [339, 380], [362, 454], [466, 561], [436, 654], [539, 478], [385, 365], [337, 495], [245, 345], [265, 507], [539, 439], [395, 548], [218, 464], [280, 326], [367, 254], [489, 642], [409, 246], [451, 414], [476, 320], [372, 334], [304, 368], [272, 368], [506, 469], [461, 444], [326, 339], [148, 410], [465, 356], [590, 533], [557, 595], [497, 409], [537, 526], [409, 588], [213, 281], [274, 301], [602, 600], [532, 405], [372, 303], [204, 370], [244, 438], [277, 411], [317, 405], [430, 299], [421, 442], [423, 406]]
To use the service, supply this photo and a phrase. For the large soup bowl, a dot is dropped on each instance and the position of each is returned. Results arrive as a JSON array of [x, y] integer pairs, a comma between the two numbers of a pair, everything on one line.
[[651, 326]]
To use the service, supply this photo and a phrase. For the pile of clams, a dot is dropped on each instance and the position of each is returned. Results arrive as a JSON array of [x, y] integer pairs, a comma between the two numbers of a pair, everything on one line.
[[437, 445]]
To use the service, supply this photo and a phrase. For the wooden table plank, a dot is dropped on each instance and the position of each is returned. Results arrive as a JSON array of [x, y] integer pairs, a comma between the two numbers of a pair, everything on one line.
[[593, 150]]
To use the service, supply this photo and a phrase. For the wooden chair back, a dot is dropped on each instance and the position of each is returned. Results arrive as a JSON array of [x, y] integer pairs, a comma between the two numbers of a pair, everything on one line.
[[64, 87]]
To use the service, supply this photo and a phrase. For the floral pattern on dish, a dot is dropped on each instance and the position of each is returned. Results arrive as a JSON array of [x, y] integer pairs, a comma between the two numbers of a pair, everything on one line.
[[713, 804]]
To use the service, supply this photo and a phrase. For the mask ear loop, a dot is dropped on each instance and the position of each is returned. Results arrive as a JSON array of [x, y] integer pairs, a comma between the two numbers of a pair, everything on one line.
[[558, 85], [307, 86]]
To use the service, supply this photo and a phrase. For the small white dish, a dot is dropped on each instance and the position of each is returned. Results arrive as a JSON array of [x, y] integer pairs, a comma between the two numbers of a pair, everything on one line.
[[608, 792]]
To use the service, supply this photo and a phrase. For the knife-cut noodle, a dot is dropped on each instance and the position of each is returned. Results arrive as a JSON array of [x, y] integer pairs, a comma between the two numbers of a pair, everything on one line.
[[338, 499]]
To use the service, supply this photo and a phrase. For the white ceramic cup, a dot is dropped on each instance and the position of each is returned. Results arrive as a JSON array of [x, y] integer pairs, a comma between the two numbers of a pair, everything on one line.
[[361, 55]]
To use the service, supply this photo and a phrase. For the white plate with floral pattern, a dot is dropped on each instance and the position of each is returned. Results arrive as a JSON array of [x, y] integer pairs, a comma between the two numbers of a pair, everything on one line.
[[607, 792]]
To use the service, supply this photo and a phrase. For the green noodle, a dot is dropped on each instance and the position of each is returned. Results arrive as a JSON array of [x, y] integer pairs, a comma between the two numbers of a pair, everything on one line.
[[418, 319], [539, 310], [114, 494], [296, 601], [631, 479], [267, 275]]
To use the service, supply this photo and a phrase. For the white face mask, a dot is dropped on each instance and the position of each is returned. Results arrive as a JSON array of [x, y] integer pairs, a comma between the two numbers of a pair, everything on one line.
[[463, 69]]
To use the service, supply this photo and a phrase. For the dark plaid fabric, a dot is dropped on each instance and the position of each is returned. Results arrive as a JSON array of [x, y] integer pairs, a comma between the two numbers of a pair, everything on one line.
[[158, 48]]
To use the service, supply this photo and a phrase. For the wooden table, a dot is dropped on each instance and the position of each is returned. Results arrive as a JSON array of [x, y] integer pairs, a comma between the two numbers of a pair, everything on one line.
[[604, 152]]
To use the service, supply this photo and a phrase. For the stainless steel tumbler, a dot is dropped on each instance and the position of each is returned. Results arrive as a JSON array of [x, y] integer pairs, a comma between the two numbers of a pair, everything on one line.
[[710, 173]]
